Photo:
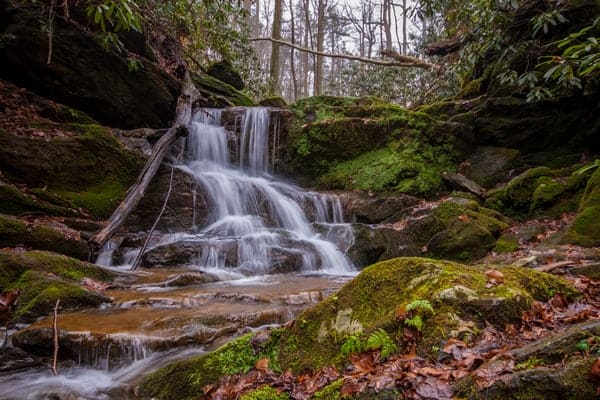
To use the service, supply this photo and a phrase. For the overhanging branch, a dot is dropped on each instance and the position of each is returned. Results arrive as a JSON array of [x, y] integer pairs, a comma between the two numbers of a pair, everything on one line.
[[399, 59]]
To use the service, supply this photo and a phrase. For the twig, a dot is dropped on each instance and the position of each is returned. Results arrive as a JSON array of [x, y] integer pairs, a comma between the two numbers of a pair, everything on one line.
[[138, 258], [54, 371], [553, 266]]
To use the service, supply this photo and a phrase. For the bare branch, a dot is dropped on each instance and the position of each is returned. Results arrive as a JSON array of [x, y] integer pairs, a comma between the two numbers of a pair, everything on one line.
[[400, 60]]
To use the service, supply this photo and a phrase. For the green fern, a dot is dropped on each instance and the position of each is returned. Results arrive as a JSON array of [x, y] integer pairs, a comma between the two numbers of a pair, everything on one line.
[[420, 306], [414, 322], [381, 340], [589, 167], [352, 344]]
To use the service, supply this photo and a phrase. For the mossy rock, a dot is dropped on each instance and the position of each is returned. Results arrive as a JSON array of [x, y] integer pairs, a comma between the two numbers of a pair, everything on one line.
[[45, 277], [15, 232], [367, 303], [89, 169], [537, 192], [15, 202], [585, 229], [507, 243], [219, 93], [365, 143], [275, 102], [380, 289], [224, 71], [462, 241]]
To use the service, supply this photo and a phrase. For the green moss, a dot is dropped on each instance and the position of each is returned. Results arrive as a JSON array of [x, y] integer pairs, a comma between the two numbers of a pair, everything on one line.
[[265, 393], [15, 202], [366, 143], [546, 191], [184, 379], [380, 289], [507, 243], [223, 93], [275, 101], [585, 229], [529, 364], [45, 277], [329, 392], [14, 232], [466, 241], [92, 161], [100, 199]]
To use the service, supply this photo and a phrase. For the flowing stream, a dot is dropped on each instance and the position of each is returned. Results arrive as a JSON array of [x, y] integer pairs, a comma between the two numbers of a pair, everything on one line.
[[265, 251]]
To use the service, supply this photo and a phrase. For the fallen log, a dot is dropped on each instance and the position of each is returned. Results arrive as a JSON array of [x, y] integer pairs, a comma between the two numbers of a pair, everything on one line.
[[159, 151], [461, 182]]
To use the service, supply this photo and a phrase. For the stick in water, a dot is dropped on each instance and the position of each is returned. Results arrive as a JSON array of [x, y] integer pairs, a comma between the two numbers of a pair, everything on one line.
[[54, 371]]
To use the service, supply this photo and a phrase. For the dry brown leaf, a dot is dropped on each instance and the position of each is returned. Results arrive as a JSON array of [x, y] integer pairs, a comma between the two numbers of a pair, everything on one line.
[[262, 364]]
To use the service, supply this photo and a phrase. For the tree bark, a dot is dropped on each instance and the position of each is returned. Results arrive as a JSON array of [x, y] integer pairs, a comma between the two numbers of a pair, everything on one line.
[[318, 82], [276, 34], [400, 60], [292, 55], [160, 150]]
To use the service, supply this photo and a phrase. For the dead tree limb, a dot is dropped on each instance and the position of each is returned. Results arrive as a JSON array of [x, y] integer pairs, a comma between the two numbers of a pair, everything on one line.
[[399, 59], [160, 150], [55, 326], [461, 182], [138, 258]]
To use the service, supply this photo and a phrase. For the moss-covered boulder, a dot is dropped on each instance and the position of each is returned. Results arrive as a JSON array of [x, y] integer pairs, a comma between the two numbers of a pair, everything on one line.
[[15, 201], [367, 303], [88, 167], [216, 93], [365, 143], [45, 277], [41, 236], [275, 102], [82, 74], [539, 191], [224, 71], [585, 229]]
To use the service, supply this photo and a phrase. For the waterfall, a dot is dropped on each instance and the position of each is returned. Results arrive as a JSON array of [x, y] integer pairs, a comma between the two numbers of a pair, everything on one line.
[[266, 217]]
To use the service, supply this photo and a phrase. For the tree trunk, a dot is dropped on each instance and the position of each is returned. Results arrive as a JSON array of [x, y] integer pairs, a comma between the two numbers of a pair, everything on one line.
[[292, 58], [404, 21], [160, 150], [276, 34], [318, 82]]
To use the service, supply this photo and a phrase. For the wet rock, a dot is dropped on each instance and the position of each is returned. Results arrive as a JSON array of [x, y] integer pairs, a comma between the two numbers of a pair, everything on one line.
[[363, 208], [490, 165], [187, 206], [378, 243], [186, 252], [13, 359], [83, 74]]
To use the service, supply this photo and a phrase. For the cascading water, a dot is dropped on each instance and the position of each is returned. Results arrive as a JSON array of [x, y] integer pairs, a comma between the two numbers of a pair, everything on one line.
[[258, 229], [264, 216]]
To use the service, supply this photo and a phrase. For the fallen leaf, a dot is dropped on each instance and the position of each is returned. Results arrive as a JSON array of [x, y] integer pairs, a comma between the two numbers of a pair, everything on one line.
[[262, 364]]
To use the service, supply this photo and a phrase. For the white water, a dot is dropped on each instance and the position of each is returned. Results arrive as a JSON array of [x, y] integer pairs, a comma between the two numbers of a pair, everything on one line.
[[265, 217], [250, 206]]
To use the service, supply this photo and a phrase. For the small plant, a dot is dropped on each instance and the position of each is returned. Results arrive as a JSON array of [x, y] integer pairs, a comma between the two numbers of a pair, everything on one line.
[[378, 340], [414, 313], [382, 341], [352, 344], [529, 364]]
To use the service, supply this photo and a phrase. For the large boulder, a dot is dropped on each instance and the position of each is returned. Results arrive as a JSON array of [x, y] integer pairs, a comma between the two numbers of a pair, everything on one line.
[[585, 229], [457, 293], [82, 74], [224, 71], [45, 277]]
